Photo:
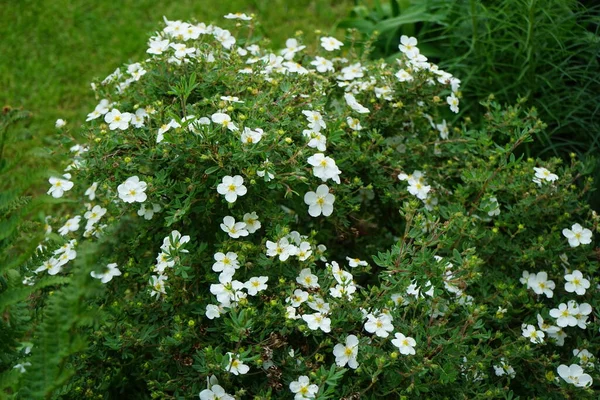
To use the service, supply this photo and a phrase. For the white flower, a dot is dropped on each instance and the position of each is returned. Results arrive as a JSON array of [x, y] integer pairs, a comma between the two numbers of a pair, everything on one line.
[[51, 265], [21, 366], [226, 263], [381, 324], [303, 388], [532, 334], [324, 167], [60, 123], [543, 174], [252, 222], [95, 214], [282, 248], [158, 46], [91, 191], [181, 50], [307, 279], [323, 64], [148, 213], [330, 43], [405, 344], [224, 37], [299, 297], [452, 100], [581, 312], [232, 228], [158, 285], [403, 76], [408, 45], [238, 15], [117, 120], [290, 313], [353, 124], [443, 130], [60, 186], [174, 242], [166, 127], [585, 358], [213, 311], [216, 392], [304, 251], [291, 48], [574, 374], [346, 353], [417, 188], [256, 284], [132, 190], [355, 262], [317, 321], [236, 366], [492, 206], [232, 187], [355, 105], [576, 283], [319, 202], [109, 272], [351, 72], [577, 235], [315, 120], [224, 120], [504, 369], [317, 140], [319, 305], [565, 315], [540, 284], [71, 225], [250, 136]]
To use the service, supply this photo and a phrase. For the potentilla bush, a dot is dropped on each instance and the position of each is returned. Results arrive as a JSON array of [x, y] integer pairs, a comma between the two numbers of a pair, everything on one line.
[[278, 224]]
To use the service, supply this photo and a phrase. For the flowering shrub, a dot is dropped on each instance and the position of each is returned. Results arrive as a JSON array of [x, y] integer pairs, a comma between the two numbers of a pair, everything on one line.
[[278, 224]]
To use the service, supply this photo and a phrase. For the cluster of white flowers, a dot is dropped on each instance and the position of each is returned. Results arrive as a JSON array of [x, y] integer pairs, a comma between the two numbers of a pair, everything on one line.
[[168, 256], [313, 133], [415, 62], [312, 303], [418, 187], [60, 258]]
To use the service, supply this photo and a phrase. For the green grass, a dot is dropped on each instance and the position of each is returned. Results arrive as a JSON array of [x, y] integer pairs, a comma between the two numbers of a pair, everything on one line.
[[52, 49]]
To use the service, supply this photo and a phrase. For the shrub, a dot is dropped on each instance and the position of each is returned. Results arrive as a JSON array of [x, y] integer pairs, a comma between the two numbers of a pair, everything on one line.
[[249, 226]]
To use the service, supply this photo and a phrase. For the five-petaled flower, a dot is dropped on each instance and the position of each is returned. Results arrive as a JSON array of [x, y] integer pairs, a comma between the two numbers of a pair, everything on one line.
[[347, 353], [319, 202], [577, 235], [405, 344], [303, 388], [232, 187], [60, 185], [232, 228], [132, 190]]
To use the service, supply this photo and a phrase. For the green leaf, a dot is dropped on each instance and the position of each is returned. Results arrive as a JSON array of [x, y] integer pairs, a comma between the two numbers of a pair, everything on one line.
[[362, 25], [210, 170], [409, 17]]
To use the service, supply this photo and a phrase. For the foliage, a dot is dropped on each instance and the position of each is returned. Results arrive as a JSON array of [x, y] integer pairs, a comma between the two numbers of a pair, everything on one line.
[[15, 249], [379, 223], [546, 51]]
